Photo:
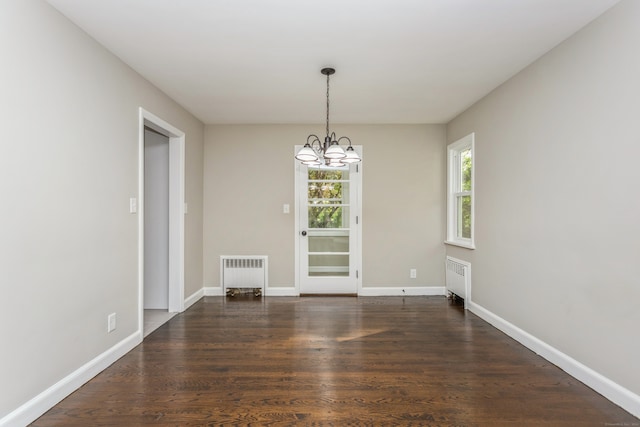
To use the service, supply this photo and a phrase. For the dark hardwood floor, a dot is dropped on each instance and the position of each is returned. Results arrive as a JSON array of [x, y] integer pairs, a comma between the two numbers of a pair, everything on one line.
[[321, 361]]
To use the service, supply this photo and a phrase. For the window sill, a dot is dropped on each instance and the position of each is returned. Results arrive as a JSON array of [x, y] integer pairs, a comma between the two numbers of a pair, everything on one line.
[[460, 244]]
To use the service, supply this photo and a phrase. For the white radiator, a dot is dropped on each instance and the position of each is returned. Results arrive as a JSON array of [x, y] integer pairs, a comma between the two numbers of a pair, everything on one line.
[[243, 272], [458, 277]]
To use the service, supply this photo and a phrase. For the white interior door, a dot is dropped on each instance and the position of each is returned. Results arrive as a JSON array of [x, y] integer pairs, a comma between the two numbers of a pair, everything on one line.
[[328, 232]]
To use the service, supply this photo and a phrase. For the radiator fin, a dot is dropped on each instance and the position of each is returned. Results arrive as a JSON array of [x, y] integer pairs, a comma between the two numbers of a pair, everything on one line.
[[456, 268], [243, 263]]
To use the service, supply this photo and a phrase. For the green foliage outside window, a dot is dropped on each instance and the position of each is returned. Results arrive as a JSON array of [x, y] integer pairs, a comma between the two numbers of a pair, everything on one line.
[[466, 170], [324, 194], [465, 201]]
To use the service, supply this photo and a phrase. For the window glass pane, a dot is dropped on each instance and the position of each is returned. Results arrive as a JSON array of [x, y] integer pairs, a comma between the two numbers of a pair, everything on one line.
[[328, 216], [328, 265], [465, 170], [464, 217]]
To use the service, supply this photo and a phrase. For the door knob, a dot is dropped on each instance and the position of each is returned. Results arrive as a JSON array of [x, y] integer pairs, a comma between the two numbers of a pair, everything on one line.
[[304, 233]]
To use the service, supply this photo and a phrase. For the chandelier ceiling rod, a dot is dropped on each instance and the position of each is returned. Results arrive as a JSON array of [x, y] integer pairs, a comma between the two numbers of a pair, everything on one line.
[[327, 72]]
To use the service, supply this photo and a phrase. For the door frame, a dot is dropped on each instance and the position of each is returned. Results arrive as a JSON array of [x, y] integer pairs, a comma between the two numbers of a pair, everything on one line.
[[358, 253], [176, 211]]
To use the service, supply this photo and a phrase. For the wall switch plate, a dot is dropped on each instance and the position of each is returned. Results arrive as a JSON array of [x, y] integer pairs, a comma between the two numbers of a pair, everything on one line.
[[413, 273], [186, 208], [111, 322], [133, 205], [285, 208]]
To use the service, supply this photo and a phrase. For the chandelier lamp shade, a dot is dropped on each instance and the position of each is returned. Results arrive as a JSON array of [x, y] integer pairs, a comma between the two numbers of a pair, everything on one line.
[[328, 152]]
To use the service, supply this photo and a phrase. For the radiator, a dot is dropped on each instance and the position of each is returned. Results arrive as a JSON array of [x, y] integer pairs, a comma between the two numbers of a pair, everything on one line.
[[243, 272], [458, 277]]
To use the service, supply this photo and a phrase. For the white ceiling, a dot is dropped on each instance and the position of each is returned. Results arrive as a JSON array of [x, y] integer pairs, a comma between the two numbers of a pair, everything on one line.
[[397, 61]]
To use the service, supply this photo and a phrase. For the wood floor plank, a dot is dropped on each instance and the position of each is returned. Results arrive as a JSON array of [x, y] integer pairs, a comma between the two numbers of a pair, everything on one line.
[[392, 361]]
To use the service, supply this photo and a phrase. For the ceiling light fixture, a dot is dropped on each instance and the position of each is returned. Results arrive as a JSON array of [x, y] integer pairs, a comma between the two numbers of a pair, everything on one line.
[[329, 152]]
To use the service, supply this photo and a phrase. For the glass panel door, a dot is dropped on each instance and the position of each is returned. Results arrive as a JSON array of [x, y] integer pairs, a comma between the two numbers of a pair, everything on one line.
[[328, 219]]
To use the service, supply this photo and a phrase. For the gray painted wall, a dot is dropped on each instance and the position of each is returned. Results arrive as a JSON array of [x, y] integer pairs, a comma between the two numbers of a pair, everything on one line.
[[249, 175], [557, 211], [69, 164]]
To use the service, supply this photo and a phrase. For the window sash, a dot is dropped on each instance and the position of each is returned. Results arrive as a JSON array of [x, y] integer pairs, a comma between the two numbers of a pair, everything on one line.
[[460, 210]]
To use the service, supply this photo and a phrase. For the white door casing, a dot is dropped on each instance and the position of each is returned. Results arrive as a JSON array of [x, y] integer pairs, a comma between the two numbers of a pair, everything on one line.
[[176, 211]]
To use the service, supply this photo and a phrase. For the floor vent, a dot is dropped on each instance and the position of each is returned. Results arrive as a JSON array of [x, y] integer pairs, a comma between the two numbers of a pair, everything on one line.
[[458, 277], [243, 272]]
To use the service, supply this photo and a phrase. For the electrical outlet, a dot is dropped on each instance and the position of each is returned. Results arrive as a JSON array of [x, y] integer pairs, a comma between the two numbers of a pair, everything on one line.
[[111, 322], [413, 273]]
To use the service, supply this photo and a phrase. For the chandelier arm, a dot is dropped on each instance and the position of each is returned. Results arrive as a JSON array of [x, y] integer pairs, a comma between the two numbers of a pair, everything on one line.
[[316, 139], [345, 137]]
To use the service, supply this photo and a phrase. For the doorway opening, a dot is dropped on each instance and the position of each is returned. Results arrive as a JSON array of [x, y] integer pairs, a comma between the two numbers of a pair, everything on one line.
[[161, 222]]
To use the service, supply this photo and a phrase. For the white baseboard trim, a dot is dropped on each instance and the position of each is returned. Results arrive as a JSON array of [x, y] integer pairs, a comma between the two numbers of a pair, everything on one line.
[[613, 391], [212, 291], [378, 291], [34, 408], [194, 298], [281, 291], [399, 291]]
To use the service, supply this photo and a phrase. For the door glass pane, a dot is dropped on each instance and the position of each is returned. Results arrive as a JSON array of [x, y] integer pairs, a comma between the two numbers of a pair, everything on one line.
[[327, 192], [333, 174], [328, 243], [328, 216], [464, 217], [328, 265], [328, 186]]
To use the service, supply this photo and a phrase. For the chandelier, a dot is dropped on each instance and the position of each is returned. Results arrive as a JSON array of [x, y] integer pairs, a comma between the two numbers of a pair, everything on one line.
[[330, 152]]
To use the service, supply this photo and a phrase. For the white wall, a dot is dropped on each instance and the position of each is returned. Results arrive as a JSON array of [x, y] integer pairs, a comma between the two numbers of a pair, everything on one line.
[[156, 220], [69, 164], [249, 175], [557, 213]]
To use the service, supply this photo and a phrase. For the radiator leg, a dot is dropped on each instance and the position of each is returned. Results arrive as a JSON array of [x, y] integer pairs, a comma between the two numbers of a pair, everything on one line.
[[453, 297]]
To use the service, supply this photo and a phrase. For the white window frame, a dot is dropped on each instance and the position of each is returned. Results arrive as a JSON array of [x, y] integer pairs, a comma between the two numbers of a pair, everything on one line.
[[453, 185]]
